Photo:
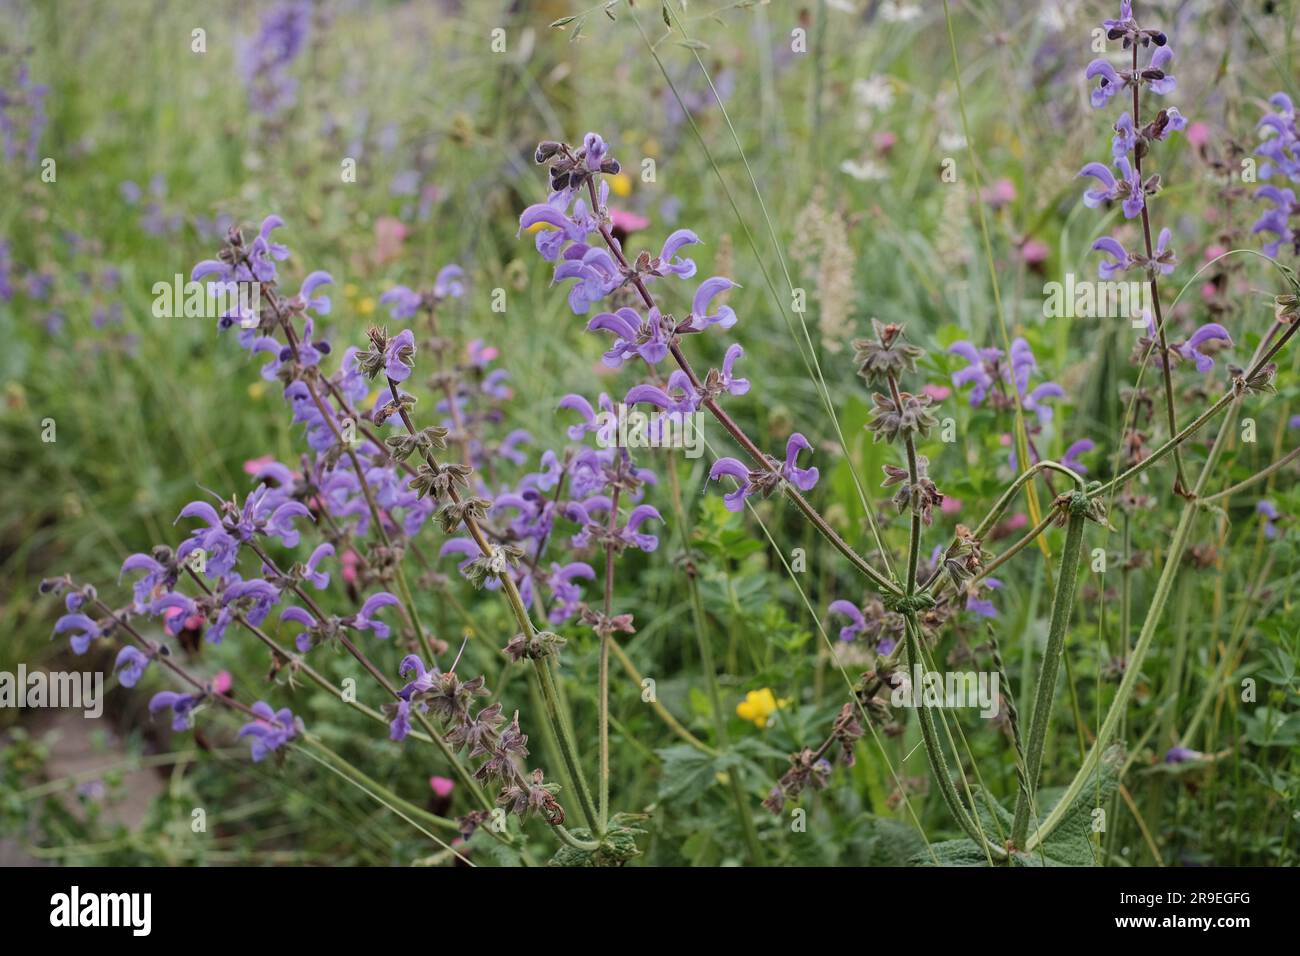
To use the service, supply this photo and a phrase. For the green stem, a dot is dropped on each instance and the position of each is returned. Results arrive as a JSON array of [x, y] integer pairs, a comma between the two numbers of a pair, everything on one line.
[[1062, 606], [1134, 665], [934, 752], [569, 753]]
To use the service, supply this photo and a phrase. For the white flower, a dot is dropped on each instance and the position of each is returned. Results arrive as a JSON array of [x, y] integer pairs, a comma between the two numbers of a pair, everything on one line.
[[865, 170], [892, 12], [874, 93]]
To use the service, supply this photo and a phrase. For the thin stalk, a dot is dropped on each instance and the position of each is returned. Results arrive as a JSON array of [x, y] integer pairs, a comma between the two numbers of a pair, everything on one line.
[[1062, 606]]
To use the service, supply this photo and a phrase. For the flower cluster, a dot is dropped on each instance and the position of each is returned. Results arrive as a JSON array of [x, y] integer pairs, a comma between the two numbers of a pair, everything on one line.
[[1280, 147], [563, 226]]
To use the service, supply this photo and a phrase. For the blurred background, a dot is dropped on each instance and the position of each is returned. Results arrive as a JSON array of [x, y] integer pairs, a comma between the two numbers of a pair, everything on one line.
[[826, 124]]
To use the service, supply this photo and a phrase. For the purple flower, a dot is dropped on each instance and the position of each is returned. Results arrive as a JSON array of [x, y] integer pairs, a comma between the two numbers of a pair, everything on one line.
[[857, 623], [983, 607], [403, 303], [449, 283], [590, 422], [1120, 259], [399, 356], [638, 516], [731, 468], [1166, 83], [1269, 511], [596, 272], [727, 380], [687, 402], [802, 478], [1127, 188], [1210, 332], [1125, 139], [1109, 81], [366, 620], [568, 596], [84, 631], [130, 665], [979, 373], [700, 317], [424, 678], [632, 336], [400, 725], [280, 523], [181, 705], [669, 263], [270, 731], [319, 579], [157, 577], [1276, 219], [1182, 755], [307, 298], [1036, 400], [1071, 457]]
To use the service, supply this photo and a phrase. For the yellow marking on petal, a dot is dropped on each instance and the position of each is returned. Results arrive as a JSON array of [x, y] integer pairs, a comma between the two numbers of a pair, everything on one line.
[[539, 226]]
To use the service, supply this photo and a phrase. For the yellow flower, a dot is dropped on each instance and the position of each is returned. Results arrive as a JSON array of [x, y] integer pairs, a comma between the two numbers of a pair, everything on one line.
[[759, 706], [350, 290], [366, 306], [256, 390], [620, 184]]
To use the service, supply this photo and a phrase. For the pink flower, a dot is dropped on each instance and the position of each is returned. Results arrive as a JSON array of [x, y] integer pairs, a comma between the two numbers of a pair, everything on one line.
[[390, 233], [937, 392], [628, 221], [222, 682], [349, 560], [1198, 134], [1000, 193], [441, 786], [885, 141], [1213, 252], [1034, 252], [254, 465], [950, 505]]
